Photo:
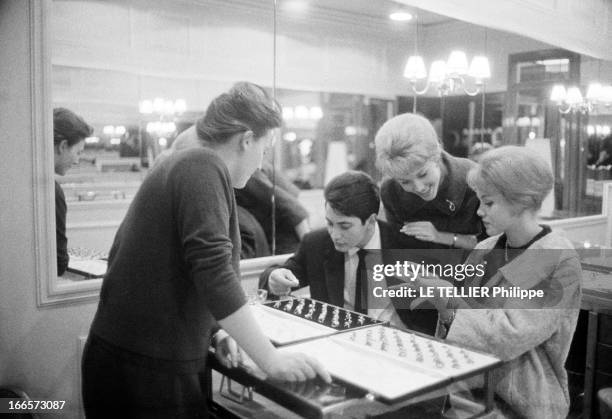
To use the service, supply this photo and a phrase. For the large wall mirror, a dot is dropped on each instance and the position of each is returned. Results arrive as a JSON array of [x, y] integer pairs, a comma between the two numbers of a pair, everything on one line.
[[140, 72]]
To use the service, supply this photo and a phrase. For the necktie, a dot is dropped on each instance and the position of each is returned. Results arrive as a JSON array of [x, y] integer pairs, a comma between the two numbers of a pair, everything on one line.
[[361, 284]]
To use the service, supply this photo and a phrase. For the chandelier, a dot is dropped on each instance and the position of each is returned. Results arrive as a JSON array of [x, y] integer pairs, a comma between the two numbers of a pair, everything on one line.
[[453, 75], [571, 99], [166, 112], [162, 107]]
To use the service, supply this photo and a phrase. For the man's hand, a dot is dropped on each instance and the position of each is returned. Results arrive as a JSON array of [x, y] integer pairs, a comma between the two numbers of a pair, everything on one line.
[[289, 366], [226, 349], [281, 281]]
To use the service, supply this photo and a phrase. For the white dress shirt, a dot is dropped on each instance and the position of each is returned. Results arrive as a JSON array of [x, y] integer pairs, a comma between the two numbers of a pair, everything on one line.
[[351, 261]]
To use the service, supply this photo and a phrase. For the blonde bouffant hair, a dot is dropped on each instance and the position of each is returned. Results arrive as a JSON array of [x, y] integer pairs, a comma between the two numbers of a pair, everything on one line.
[[404, 144], [522, 177]]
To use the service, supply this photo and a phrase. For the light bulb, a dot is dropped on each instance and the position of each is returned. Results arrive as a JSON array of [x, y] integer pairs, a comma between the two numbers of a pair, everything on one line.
[[558, 94], [437, 72], [457, 63], [415, 68], [479, 68], [574, 97], [594, 92]]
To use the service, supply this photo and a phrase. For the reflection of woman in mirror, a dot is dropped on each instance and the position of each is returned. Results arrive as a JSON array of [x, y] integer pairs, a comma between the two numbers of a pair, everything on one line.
[[130, 143], [532, 337], [173, 274], [426, 193], [69, 133]]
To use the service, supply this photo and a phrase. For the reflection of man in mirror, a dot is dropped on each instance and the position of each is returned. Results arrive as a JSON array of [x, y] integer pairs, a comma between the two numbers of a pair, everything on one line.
[[605, 153], [290, 216], [69, 133], [254, 200]]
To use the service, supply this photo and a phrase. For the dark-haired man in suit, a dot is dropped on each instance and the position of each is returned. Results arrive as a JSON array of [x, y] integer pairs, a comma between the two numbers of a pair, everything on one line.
[[327, 260]]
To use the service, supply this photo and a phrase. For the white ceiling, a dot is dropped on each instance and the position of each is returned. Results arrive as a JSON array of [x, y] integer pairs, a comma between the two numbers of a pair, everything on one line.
[[372, 9]]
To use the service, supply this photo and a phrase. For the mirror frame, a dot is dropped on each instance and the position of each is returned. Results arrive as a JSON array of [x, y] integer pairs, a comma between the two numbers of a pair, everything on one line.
[[53, 290], [50, 289]]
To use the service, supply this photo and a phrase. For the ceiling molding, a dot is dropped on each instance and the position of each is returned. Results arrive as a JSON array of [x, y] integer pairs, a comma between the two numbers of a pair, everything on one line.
[[374, 25], [551, 21]]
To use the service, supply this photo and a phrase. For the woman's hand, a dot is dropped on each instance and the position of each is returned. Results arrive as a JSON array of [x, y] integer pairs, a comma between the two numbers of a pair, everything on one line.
[[290, 366], [439, 302], [281, 281], [422, 230], [226, 349]]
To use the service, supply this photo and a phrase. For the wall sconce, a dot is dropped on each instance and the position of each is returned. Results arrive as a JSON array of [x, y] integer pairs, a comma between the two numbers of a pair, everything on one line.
[[598, 130], [161, 128], [166, 110], [449, 76], [571, 99], [162, 106], [302, 112], [113, 130]]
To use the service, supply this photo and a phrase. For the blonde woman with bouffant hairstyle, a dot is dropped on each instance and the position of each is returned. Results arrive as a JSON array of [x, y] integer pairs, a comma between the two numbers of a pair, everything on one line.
[[531, 335], [425, 193]]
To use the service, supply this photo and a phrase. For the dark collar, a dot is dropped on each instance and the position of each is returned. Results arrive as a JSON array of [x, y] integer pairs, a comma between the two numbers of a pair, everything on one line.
[[452, 189]]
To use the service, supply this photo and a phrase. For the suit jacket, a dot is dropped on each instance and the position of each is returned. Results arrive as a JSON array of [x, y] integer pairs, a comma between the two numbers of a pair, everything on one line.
[[319, 265]]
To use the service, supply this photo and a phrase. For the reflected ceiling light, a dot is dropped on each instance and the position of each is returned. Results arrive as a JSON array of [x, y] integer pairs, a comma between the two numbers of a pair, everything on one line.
[[316, 112], [305, 147], [452, 75], [295, 6], [350, 130], [571, 99], [161, 128], [162, 107], [145, 107], [113, 130], [158, 105], [598, 130], [290, 136], [523, 121], [400, 16], [301, 112], [287, 112], [180, 106]]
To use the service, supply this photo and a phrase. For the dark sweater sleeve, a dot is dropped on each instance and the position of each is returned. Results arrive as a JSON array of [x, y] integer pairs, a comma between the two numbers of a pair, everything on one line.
[[60, 230], [204, 202]]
